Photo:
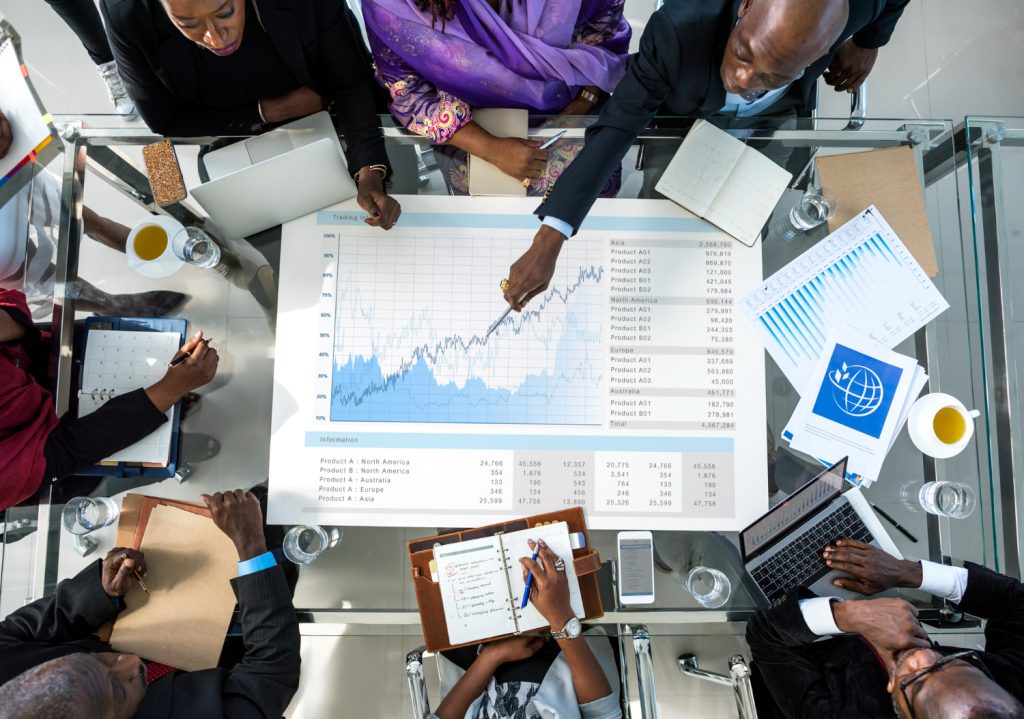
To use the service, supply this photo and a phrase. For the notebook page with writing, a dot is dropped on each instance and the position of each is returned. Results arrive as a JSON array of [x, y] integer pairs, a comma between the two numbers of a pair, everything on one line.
[[556, 536], [474, 589], [118, 362], [746, 200], [700, 167]]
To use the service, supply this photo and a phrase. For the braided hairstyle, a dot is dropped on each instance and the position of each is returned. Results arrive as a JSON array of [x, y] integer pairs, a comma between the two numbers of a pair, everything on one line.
[[443, 10]]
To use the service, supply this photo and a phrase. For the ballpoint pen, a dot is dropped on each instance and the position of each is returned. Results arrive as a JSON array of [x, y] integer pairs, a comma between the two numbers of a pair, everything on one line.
[[178, 360], [894, 523], [553, 139], [502, 318], [139, 578], [529, 582]]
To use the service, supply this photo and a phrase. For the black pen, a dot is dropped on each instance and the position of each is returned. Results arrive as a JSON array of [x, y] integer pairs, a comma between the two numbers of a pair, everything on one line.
[[185, 355], [894, 523]]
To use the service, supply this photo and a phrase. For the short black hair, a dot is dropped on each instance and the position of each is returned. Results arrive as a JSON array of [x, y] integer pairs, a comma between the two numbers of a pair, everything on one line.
[[57, 688]]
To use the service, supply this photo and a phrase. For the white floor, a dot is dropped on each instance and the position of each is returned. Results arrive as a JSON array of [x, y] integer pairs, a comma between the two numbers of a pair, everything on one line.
[[947, 58]]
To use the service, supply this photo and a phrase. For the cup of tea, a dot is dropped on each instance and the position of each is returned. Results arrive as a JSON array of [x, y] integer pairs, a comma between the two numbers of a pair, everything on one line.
[[940, 425], [149, 246]]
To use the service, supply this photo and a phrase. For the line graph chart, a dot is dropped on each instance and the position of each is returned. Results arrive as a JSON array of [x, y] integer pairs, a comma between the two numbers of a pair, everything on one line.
[[404, 352]]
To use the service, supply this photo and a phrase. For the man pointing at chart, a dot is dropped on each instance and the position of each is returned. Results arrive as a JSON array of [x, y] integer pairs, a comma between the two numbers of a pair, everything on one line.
[[737, 58]]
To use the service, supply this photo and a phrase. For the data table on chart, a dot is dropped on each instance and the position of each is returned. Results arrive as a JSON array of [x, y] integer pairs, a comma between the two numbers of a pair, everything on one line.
[[626, 387]]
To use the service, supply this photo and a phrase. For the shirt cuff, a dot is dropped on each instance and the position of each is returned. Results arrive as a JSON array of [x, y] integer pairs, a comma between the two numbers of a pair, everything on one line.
[[942, 580], [604, 708], [257, 564], [817, 614], [560, 225]]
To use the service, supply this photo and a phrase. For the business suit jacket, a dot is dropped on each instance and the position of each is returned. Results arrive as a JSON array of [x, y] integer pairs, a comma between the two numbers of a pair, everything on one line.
[[261, 685], [677, 72], [843, 678], [317, 40]]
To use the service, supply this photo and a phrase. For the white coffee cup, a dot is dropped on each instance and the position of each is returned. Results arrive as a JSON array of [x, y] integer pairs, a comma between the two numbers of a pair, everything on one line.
[[940, 425], [166, 263]]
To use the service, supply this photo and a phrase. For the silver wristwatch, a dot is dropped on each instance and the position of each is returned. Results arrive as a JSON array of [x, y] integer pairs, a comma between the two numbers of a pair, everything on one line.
[[571, 630]]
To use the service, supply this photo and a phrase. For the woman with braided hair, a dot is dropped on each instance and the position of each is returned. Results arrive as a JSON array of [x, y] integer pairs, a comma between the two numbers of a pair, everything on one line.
[[441, 59]]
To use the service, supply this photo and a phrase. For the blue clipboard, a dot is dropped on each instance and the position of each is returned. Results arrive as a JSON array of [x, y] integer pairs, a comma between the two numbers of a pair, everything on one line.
[[138, 324]]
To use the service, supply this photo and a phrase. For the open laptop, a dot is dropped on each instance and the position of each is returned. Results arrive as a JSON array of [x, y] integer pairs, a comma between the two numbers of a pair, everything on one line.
[[275, 177], [782, 549]]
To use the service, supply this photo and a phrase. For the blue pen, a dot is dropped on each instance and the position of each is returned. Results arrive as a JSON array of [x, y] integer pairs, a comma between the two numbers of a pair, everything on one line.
[[529, 582]]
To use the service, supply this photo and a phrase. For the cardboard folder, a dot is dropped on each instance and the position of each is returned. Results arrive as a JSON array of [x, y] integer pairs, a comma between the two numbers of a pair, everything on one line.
[[586, 563]]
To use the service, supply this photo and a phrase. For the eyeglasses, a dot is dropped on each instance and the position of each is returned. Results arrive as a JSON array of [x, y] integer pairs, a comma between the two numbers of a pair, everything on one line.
[[970, 657]]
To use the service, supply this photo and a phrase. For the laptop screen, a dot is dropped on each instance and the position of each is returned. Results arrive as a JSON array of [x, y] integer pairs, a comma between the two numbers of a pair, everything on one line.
[[796, 508]]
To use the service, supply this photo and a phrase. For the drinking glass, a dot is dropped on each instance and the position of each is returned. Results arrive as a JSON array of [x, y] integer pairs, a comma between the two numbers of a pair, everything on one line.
[[195, 247], [82, 515], [816, 207], [947, 499], [305, 542], [710, 587]]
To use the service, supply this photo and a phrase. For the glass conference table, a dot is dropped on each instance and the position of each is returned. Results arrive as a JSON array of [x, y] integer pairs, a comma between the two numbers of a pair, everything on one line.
[[364, 585]]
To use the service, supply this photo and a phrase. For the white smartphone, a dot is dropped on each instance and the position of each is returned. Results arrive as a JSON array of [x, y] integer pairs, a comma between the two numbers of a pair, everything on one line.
[[636, 568]]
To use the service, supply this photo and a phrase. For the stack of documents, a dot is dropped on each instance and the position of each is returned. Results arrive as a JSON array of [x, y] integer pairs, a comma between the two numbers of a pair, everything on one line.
[[855, 403]]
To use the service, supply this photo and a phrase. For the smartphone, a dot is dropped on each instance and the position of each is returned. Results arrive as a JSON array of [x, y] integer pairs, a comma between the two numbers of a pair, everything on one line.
[[636, 568], [164, 173]]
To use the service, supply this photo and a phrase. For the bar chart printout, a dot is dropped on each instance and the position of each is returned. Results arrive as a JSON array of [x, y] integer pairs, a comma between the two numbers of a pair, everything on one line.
[[626, 387], [860, 276]]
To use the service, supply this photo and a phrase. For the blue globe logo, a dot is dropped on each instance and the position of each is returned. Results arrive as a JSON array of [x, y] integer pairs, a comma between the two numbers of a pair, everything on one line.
[[857, 390]]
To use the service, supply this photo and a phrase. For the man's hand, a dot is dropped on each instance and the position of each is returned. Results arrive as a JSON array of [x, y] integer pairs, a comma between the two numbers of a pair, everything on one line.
[[850, 66], [6, 135], [550, 590], [116, 572], [531, 273], [383, 209], [873, 570], [238, 515], [889, 624], [197, 370], [512, 649], [518, 158], [297, 103]]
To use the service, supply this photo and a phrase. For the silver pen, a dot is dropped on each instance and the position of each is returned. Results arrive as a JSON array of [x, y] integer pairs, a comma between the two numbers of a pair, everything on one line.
[[554, 138], [502, 318]]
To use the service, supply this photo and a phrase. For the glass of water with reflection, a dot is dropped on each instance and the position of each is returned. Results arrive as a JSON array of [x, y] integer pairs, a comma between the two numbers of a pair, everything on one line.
[[710, 587], [305, 542], [82, 515], [817, 206]]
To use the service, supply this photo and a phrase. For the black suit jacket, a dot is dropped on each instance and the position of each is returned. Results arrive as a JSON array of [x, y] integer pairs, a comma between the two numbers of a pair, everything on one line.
[[261, 685], [317, 40], [677, 72], [842, 677]]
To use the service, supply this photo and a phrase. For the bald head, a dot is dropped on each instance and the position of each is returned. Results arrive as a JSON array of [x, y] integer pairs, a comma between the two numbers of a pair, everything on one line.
[[775, 40]]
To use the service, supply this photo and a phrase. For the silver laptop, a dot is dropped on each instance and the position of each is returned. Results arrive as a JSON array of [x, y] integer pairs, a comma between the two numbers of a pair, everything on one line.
[[782, 550], [275, 177]]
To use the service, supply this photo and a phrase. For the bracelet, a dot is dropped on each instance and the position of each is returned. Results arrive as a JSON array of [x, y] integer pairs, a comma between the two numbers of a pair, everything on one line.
[[382, 169], [589, 96], [259, 111]]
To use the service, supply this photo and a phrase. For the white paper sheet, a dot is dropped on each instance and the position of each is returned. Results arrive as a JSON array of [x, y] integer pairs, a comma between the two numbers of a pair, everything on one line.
[[20, 109]]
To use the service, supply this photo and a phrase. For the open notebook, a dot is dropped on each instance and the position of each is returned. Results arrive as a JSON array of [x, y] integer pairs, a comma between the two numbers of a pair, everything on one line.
[[728, 183], [117, 362], [482, 583]]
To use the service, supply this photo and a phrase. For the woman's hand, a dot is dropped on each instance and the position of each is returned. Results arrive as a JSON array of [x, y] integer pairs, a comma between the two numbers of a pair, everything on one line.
[[518, 158], [383, 209], [513, 649], [297, 103], [550, 590], [193, 373]]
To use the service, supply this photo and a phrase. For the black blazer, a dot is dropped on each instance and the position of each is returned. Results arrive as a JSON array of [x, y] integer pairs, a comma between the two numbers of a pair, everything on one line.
[[261, 685], [317, 40], [842, 678], [677, 72]]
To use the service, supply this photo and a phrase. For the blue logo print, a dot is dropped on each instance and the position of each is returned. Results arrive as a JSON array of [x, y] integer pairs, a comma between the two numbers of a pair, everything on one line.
[[857, 391]]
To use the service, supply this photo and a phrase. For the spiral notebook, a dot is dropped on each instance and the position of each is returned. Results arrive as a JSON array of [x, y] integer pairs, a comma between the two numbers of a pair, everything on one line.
[[118, 362], [482, 583]]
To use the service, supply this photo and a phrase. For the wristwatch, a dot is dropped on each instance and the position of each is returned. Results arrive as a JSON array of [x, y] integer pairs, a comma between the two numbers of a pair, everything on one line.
[[571, 630]]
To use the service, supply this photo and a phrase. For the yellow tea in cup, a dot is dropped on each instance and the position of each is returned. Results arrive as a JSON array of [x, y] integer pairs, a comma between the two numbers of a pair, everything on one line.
[[949, 425], [150, 242]]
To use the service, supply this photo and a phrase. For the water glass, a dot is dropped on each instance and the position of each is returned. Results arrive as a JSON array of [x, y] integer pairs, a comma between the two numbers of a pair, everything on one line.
[[947, 499], [817, 206], [195, 247], [305, 542], [710, 587], [82, 515]]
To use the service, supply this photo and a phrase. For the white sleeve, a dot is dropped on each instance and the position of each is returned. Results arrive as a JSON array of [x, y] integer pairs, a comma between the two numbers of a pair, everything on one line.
[[943, 581], [817, 614]]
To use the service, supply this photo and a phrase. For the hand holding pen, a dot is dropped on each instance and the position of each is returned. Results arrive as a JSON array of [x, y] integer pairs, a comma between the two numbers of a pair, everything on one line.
[[547, 585]]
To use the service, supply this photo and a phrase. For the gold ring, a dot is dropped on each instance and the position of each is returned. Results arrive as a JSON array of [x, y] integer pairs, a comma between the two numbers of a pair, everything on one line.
[[526, 182], [504, 285]]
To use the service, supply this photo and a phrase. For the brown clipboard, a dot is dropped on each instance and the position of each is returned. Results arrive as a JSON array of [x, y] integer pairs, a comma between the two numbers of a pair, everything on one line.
[[586, 562]]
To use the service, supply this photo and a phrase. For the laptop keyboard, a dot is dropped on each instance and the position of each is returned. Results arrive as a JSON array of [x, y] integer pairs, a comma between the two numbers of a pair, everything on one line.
[[800, 562]]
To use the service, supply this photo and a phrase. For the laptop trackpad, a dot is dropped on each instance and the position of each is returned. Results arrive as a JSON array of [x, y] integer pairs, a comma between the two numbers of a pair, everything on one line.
[[267, 146]]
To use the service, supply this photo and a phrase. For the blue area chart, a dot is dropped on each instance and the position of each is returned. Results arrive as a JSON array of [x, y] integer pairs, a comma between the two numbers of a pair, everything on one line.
[[543, 366]]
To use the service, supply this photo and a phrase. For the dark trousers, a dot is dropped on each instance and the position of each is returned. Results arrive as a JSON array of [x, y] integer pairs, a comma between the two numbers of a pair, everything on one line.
[[84, 20], [80, 442]]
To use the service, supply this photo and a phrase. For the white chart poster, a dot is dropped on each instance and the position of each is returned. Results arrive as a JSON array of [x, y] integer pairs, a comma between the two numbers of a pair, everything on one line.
[[628, 387]]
